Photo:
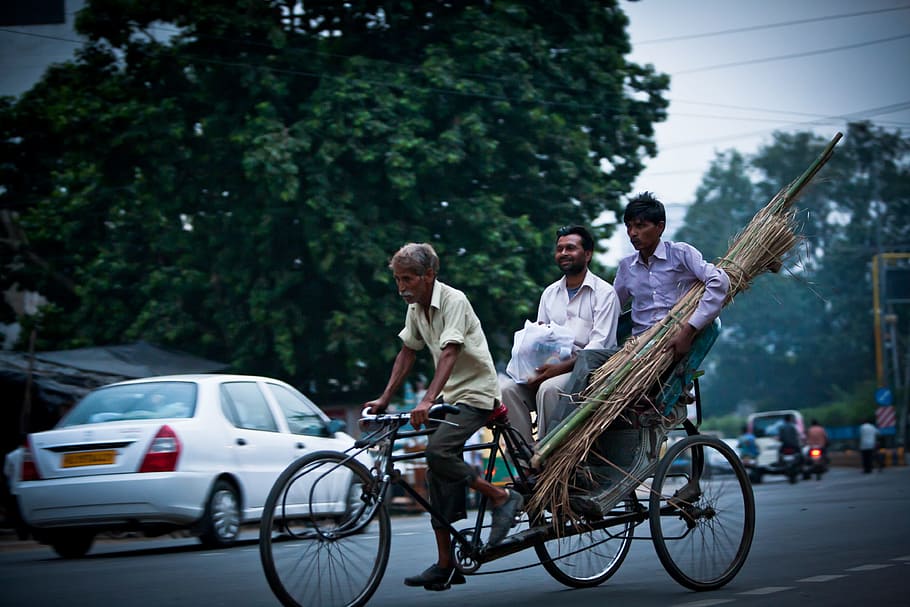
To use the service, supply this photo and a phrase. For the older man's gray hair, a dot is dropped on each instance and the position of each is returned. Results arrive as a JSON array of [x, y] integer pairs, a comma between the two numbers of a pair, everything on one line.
[[418, 257]]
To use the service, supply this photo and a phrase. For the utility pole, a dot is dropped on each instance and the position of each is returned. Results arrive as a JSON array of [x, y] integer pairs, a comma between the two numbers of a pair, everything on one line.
[[891, 287]]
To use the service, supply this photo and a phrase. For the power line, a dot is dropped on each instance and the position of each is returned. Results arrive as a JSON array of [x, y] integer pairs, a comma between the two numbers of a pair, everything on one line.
[[374, 82], [815, 118], [742, 118], [790, 55], [385, 83], [753, 28], [846, 117], [672, 38], [679, 172], [304, 51], [347, 78], [742, 107], [45, 36], [549, 86], [752, 108]]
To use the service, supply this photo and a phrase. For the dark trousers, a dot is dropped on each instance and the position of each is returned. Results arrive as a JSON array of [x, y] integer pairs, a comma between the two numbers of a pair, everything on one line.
[[448, 475], [872, 457]]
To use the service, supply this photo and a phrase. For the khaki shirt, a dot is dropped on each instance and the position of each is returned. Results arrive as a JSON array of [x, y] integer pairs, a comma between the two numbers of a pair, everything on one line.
[[452, 320]]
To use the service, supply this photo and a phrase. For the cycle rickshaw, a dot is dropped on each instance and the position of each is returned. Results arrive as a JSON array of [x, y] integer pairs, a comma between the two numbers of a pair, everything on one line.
[[693, 494]]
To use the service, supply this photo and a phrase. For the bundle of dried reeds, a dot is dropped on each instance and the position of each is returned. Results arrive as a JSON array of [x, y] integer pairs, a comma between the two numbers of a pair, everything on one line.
[[635, 371]]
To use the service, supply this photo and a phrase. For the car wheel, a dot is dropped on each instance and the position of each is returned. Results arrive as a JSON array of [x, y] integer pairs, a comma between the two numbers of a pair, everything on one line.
[[221, 525], [71, 544]]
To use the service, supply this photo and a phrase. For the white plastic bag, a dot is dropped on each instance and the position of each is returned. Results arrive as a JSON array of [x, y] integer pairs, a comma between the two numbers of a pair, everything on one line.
[[536, 345]]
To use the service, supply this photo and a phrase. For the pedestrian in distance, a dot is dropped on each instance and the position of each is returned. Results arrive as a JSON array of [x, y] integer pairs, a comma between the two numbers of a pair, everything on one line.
[[868, 441]]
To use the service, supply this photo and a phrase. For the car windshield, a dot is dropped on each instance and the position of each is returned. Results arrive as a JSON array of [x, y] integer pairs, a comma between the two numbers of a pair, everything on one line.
[[767, 426], [152, 400]]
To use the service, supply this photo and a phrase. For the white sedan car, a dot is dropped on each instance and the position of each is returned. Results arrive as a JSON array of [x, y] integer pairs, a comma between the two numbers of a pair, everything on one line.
[[193, 452]]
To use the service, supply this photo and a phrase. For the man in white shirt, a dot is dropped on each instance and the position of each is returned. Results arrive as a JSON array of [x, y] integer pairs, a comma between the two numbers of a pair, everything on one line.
[[580, 301]]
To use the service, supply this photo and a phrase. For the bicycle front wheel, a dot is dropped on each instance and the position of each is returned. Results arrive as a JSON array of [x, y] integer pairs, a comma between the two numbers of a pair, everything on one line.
[[325, 536], [701, 512], [588, 558]]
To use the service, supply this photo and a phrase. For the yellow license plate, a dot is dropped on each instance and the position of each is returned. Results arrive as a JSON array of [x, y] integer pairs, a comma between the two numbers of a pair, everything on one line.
[[88, 458]]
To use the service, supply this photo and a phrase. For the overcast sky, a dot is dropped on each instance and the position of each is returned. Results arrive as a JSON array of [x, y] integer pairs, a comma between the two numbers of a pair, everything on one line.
[[740, 69]]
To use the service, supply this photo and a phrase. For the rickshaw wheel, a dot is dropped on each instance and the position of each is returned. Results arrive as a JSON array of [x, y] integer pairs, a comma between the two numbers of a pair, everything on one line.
[[701, 512], [588, 558]]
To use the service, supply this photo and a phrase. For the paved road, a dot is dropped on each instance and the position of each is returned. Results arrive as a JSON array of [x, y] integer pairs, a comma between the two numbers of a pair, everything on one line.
[[842, 541]]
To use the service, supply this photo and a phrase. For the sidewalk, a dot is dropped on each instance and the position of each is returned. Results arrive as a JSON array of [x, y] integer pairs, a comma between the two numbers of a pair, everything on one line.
[[852, 459], [9, 539]]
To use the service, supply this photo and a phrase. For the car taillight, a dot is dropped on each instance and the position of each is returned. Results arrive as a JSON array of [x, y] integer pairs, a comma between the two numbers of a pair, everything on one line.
[[815, 452], [163, 452], [29, 471]]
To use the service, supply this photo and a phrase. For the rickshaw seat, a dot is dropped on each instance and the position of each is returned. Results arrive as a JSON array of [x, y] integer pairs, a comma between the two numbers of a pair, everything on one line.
[[686, 370]]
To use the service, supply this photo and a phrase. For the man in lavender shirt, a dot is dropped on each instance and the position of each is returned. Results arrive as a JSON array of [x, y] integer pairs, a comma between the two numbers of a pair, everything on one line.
[[655, 278]]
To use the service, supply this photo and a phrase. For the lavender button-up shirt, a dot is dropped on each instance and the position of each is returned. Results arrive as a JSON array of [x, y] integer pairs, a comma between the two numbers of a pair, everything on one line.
[[672, 270]]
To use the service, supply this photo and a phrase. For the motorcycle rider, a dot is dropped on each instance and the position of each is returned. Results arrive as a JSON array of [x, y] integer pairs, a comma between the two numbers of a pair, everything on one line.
[[748, 446], [817, 438], [789, 436]]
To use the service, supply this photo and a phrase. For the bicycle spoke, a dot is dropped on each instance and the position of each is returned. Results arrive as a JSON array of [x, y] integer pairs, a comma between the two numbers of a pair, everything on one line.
[[702, 513], [589, 558], [317, 543]]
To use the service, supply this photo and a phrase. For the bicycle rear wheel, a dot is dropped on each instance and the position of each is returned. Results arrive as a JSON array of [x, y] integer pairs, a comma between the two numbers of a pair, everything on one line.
[[703, 534], [589, 558], [325, 536]]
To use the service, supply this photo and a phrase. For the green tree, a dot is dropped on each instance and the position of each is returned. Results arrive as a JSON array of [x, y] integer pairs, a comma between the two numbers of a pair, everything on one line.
[[233, 182], [804, 336], [724, 203]]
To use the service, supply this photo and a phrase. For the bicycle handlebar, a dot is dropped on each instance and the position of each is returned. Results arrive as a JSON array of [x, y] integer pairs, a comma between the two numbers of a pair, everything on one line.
[[436, 412]]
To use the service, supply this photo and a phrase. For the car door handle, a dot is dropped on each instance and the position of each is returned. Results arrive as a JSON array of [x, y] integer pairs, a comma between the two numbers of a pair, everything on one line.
[[241, 441]]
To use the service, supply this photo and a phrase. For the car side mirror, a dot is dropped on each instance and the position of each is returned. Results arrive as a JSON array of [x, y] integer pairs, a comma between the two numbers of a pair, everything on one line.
[[336, 425]]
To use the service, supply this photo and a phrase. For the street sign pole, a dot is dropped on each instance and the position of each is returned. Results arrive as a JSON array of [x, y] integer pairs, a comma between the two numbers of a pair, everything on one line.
[[889, 290]]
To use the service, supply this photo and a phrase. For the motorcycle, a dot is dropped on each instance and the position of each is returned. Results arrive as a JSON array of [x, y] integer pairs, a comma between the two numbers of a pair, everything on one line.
[[790, 463], [815, 463]]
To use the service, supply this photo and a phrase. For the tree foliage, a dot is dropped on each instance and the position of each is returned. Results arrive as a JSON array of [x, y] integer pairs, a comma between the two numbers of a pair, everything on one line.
[[231, 177], [805, 336]]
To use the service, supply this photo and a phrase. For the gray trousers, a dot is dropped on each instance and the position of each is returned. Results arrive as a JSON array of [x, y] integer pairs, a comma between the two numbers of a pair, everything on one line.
[[448, 475], [586, 362], [521, 399]]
